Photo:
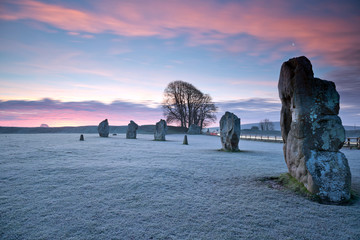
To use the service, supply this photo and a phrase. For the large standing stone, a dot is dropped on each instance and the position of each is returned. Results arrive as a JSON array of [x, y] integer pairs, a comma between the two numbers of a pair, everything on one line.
[[160, 130], [313, 132], [194, 129], [230, 132], [103, 128], [131, 130]]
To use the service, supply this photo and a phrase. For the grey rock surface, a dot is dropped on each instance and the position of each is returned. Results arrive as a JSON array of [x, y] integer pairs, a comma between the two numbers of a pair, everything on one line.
[[160, 130], [313, 131], [194, 129], [131, 130], [103, 128], [230, 132], [185, 141]]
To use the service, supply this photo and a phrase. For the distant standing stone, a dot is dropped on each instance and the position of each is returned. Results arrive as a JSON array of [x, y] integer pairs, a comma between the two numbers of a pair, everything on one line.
[[103, 128], [230, 132], [81, 137], [131, 130], [185, 142], [160, 130], [313, 132], [194, 129]]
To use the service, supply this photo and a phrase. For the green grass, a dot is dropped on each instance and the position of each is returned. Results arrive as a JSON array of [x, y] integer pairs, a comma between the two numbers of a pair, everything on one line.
[[290, 183], [353, 198]]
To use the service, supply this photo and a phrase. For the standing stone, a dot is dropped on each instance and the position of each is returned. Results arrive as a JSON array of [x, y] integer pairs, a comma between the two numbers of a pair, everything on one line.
[[81, 137], [185, 142], [313, 132], [131, 130], [103, 128], [230, 132], [160, 130], [194, 129]]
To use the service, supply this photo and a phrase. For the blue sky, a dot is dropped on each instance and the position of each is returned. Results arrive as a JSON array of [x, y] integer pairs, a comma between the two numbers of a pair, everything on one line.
[[79, 62]]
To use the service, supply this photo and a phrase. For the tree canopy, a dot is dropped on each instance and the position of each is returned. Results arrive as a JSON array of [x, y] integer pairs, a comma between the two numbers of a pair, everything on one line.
[[185, 104]]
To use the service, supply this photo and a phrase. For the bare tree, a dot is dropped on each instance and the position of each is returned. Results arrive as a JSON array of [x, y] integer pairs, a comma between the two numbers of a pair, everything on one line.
[[266, 125], [206, 112], [185, 104]]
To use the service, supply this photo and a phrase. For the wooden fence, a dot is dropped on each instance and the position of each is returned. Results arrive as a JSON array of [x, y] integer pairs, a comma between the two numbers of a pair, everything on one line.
[[262, 138], [352, 142]]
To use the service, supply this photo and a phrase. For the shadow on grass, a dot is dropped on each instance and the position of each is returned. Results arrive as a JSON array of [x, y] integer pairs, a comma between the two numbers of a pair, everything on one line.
[[238, 151], [153, 140], [286, 182]]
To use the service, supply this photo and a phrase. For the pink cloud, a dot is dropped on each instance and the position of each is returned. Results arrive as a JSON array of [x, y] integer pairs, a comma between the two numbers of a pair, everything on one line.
[[73, 33], [21, 113], [208, 23]]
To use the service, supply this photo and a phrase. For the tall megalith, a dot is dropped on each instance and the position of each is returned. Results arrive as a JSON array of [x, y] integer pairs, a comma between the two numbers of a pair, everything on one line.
[[312, 131], [103, 128], [160, 130], [131, 130], [230, 132]]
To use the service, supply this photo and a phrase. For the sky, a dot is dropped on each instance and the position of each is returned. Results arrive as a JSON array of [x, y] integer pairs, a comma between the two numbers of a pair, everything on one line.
[[73, 63]]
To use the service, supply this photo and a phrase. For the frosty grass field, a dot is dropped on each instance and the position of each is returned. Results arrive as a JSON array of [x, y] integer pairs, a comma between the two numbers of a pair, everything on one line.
[[52, 186]]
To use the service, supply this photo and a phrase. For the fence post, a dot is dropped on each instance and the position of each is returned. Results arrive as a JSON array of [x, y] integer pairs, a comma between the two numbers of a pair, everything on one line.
[[358, 142]]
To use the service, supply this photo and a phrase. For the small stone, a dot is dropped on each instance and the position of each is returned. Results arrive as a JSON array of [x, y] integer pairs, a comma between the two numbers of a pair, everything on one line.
[[131, 130], [160, 130], [81, 137], [103, 128], [185, 142]]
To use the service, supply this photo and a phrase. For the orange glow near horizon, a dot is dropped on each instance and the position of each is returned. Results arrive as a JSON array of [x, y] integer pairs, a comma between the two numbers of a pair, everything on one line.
[[67, 118]]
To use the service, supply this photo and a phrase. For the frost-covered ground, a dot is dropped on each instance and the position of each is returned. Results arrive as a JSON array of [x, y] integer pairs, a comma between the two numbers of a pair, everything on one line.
[[56, 187]]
